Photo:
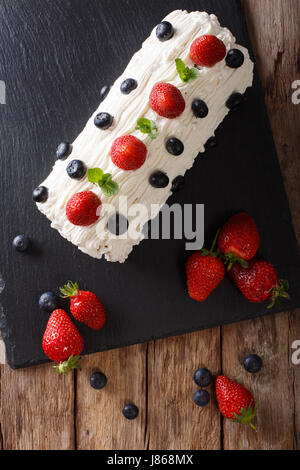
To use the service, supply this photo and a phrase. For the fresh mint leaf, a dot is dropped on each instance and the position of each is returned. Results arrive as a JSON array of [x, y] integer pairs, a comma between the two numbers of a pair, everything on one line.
[[186, 74], [95, 175], [110, 188], [146, 126], [105, 181]]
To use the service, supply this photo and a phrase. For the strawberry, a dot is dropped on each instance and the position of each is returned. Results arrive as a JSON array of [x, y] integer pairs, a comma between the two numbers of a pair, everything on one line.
[[239, 239], [62, 342], [207, 51], [167, 101], [205, 271], [83, 209], [259, 282], [128, 153], [235, 402], [85, 306]]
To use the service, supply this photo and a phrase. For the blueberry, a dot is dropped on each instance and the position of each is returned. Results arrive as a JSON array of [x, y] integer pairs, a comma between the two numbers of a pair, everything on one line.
[[201, 398], [253, 363], [118, 224], [103, 121], [199, 108], [164, 31], [175, 146], [63, 151], [76, 169], [21, 243], [203, 377], [178, 184], [40, 194], [130, 411], [98, 380], [211, 143], [159, 180], [235, 58], [128, 86], [104, 92], [234, 100], [49, 302]]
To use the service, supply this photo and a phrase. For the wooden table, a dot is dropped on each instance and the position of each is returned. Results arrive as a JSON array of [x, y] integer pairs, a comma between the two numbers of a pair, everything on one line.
[[40, 410]]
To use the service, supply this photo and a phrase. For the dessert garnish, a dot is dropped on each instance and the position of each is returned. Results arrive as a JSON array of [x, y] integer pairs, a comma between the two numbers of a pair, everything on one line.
[[76, 169], [235, 58], [40, 194], [235, 100], [164, 31], [104, 92], [128, 86], [146, 126], [167, 101], [175, 146], [104, 180], [63, 151], [83, 209], [103, 121], [159, 180], [178, 184], [199, 108], [186, 74], [207, 51], [128, 153]]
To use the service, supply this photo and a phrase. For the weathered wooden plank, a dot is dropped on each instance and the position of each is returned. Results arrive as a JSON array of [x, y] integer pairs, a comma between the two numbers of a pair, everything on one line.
[[273, 26], [37, 409], [174, 421], [99, 421]]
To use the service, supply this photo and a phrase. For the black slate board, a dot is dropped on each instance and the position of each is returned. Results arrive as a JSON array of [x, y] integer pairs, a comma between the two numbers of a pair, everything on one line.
[[55, 56]]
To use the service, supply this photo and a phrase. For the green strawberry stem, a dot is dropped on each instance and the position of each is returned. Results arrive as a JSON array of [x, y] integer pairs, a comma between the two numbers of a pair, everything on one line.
[[212, 251], [72, 363], [71, 289], [232, 259], [215, 241], [279, 292], [247, 416]]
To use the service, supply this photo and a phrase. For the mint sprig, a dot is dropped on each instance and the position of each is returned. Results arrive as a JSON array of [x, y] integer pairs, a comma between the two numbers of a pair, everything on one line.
[[104, 180], [186, 74], [146, 126]]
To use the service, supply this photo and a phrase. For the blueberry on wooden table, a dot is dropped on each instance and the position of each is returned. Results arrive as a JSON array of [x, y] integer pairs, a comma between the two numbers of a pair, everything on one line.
[[130, 411], [199, 108], [49, 302], [40, 194], [253, 363], [164, 31], [178, 184], [128, 86], [203, 377], [201, 398], [76, 169], [175, 146], [63, 151], [235, 58], [103, 121], [98, 380], [159, 180], [21, 243], [104, 92]]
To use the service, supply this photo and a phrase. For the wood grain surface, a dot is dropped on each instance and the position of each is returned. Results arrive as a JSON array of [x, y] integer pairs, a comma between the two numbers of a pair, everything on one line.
[[42, 411]]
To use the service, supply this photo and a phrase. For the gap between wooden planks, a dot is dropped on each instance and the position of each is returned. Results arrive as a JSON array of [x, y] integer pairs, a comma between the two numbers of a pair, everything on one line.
[[40, 410]]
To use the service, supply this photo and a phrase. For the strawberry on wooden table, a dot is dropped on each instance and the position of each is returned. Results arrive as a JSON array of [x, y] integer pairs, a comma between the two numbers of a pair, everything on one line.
[[239, 239], [205, 271], [235, 401], [85, 306], [167, 101], [207, 51], [62, 342], [259, 282]]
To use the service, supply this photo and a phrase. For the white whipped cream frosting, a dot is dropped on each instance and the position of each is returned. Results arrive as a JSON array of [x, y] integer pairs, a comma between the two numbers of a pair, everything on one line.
[[154, 63]]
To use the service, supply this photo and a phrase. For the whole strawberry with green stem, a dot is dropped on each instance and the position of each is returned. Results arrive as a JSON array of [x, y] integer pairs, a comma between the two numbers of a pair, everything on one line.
[[85, 306], [259, 282], [205, 271], [62, 342], [235, 401], [239, 240]]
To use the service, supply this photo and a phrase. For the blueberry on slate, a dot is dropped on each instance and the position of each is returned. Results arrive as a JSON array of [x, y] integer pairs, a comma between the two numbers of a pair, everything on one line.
[[199, 108], [63, 151], [203, 377], [175, 146], [21, 243], [98, 380], [159, 180], [253, 363], [234, 100], [103, 121], [49, 302], [201, 398], [130, 411], [104, 92], [164, 31], [235, 58], [118, 224], [211, 143], [178, 184], [76, 169], [40, 194], [128, 86]]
